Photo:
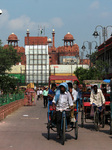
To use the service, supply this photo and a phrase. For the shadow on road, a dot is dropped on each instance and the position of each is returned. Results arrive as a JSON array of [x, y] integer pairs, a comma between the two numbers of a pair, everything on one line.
[[53, 137], [92, 128], [88, 127], [105, 131], [111, 136]]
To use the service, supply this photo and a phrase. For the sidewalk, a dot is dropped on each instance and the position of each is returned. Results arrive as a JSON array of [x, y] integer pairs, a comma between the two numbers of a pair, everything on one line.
[[22, 130]]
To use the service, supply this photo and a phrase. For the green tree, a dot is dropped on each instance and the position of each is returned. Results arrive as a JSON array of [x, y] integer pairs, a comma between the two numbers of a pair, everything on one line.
[[8, 58], [8, 84], [81, 73], [96, 72]]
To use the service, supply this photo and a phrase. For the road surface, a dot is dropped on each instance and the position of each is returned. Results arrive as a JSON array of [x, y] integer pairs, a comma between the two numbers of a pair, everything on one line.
[[25, 129]]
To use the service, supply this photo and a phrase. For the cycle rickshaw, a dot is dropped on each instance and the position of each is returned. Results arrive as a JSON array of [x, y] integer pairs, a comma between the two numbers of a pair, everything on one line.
[[64, 123], [86, 113], [108, 104], [98, 118], [66, 126]]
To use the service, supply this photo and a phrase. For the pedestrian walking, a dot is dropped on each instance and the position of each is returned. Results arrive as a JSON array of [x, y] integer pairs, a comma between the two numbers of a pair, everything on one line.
[[45, 97], [38, 94], [41, 94]]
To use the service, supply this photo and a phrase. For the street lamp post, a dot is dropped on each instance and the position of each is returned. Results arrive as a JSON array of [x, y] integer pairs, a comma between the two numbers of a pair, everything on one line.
[[89, 47]]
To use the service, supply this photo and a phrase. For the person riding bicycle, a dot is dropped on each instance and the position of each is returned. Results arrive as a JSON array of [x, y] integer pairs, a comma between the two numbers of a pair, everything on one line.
[[97, 98], [62, 101]]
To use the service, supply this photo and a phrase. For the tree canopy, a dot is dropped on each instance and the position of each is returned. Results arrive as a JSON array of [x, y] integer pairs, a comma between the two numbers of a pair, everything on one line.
[[8, 84], [8, 58]]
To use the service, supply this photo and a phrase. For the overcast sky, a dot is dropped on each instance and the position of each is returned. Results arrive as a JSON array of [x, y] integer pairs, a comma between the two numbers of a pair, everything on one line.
[[79, 17]]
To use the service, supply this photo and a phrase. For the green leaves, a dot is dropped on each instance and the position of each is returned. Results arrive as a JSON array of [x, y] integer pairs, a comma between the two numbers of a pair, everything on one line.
[[81, 74], [8, 58], [7, 84], [96, 72]]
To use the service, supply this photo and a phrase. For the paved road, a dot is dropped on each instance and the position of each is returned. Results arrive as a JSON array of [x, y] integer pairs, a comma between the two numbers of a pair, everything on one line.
[[21, 132]]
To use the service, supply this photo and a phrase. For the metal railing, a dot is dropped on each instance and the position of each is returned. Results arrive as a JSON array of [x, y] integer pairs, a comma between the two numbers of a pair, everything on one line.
[[8, 98]]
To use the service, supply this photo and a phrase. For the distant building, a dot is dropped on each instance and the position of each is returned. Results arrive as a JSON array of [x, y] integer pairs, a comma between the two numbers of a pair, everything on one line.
[[67, 54], [84, 61], [37, 59], [13, 41]]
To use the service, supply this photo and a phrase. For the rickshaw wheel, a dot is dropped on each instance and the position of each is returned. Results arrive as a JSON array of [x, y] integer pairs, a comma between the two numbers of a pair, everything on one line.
[[79, 105], [103, 120], [63, 132], [76, 130], [96, 120], [48, 131], [82, 119], [111, 126]]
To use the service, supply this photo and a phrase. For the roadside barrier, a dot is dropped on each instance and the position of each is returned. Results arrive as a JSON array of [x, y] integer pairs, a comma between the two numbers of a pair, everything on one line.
[[10, 103]]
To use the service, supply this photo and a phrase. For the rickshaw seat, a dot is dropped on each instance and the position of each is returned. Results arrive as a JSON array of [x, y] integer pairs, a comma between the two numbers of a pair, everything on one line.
[[51, 108], [87, 104], [107, 103]]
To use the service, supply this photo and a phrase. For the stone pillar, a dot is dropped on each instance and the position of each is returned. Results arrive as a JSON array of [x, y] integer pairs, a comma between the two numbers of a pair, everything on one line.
[[53, 38], [27, 36]]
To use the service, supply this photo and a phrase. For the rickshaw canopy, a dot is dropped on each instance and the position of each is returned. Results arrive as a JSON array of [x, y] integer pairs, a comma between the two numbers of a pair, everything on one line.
[[70, 78], [94, 82]]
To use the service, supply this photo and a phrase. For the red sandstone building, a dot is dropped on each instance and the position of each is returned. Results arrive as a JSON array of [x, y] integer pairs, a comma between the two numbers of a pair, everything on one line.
[[66, 54], [105, 54], [13, 40]]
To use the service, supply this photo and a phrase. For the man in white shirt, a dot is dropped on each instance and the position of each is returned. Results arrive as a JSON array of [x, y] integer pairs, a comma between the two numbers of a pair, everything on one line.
[[62, 101], [97, 98], [74, 95]]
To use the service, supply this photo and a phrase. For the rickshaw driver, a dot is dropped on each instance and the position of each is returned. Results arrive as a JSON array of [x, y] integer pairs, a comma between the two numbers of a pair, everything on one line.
[[97, 98], [62, 101]]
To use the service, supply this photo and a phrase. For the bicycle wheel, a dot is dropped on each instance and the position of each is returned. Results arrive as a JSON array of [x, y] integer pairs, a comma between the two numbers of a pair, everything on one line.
[[79, 105], [82, 119], [96, 120], [63, 132], [76, 130], [110, 125], [103, 120]]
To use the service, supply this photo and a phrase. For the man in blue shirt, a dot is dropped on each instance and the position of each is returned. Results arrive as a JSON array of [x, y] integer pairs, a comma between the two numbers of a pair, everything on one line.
[[51, 93]]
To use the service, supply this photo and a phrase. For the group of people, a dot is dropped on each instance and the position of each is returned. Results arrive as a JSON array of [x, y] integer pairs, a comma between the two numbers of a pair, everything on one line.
[[39, 93], [64, 97]]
